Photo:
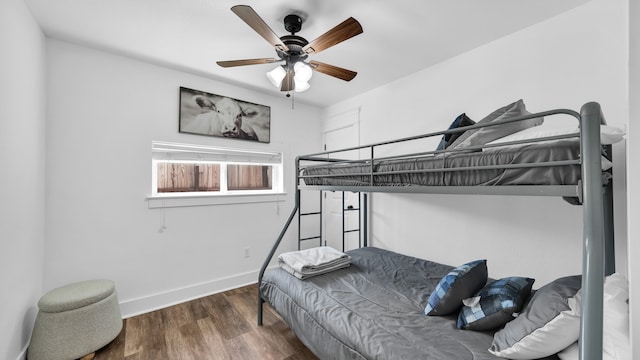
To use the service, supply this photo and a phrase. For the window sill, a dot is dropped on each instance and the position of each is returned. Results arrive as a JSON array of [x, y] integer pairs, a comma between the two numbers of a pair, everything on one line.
[[167, 201]]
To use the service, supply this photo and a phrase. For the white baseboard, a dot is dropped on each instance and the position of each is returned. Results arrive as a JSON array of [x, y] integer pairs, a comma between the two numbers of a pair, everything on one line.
[[146, 304]]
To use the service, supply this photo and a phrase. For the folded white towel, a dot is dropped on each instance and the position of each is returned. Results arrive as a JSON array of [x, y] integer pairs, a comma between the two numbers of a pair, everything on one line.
[[315, 261], [308, 274]]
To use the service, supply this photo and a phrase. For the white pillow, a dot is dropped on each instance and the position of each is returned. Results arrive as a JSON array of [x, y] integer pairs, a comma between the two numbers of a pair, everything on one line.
[[616, 343], [608, 134], [571, 353]]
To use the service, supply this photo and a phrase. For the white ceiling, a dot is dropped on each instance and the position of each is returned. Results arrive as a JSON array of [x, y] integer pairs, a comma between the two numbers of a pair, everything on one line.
[[400, 37]]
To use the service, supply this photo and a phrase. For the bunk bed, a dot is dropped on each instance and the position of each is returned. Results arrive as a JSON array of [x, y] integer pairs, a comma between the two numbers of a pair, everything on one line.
[[562, 164]]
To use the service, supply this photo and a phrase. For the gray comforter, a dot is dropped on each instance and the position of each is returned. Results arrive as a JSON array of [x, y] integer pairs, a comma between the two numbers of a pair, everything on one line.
[[424, 170], [372, 310]]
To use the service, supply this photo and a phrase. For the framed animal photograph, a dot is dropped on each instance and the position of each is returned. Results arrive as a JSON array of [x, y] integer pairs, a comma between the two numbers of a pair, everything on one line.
[[208, 114]]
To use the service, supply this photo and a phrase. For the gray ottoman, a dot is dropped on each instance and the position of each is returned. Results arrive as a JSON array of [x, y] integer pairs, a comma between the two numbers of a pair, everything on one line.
[[75, 320]]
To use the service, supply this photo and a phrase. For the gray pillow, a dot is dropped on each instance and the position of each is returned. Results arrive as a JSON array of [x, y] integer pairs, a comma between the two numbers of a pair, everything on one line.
[[547, 324], [484, 135]]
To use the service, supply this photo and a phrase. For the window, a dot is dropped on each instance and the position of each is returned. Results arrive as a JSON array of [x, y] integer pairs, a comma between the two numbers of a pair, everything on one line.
[[175, 177], [193, 170], [249, 177]]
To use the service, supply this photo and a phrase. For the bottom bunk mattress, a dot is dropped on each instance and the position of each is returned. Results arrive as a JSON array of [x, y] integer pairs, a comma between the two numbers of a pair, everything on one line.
[[373, 309]]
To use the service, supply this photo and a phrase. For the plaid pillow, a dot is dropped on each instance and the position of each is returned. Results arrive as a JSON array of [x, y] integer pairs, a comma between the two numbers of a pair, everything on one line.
[[495, 305], [460, 283]]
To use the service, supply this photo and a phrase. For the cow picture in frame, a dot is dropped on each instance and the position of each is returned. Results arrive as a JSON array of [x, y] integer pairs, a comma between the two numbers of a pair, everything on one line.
[[203, 113]]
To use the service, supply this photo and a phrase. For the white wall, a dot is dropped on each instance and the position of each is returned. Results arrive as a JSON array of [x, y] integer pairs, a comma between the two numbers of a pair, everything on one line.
[[104, 112], [560, 63], [634, 171], [22, 115]]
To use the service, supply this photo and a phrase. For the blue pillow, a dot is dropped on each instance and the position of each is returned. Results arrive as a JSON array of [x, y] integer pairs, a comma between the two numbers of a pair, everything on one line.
[[447, 139], [460, 283], [495, 305]]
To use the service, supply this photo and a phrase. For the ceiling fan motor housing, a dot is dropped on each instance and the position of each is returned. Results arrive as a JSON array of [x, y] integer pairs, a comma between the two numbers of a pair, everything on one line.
[[295, 44], [292, 23]]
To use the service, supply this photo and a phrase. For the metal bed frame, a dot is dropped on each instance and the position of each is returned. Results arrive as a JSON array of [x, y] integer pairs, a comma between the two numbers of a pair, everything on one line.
[[594, 193]]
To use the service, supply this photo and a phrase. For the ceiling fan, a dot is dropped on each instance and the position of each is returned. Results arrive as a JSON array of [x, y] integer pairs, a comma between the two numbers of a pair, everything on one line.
[[294, 50]]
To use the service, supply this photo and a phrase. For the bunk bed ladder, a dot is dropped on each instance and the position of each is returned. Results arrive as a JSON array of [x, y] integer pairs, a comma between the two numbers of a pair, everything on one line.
[[345, 210], [313, 213]]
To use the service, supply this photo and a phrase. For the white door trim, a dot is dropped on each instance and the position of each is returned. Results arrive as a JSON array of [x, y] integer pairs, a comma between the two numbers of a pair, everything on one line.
[[348, 121], [341, 120]]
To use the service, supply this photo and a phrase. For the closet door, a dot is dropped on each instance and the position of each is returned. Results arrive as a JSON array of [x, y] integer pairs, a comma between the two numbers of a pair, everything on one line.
[[339, 132]]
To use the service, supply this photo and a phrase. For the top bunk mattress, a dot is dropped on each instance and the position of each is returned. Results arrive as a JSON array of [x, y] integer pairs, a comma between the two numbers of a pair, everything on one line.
[[541, 163], [373, 309]]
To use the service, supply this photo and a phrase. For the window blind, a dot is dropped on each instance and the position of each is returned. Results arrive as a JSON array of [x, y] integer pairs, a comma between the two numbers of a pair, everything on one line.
[[189, 152]]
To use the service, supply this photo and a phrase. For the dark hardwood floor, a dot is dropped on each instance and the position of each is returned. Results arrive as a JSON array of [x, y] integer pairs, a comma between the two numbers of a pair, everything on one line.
[[220, 326]]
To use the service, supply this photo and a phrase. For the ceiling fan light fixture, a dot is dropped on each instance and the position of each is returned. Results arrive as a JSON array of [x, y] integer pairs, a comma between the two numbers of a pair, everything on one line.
[[302, 71], [301, 86], [276, 75]]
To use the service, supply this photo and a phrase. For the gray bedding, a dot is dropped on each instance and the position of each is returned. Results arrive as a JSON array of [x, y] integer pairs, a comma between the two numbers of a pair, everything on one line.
[[547, 151], [373, 310]]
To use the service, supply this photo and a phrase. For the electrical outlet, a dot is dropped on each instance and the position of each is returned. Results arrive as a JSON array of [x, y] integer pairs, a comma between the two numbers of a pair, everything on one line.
[[247, 252]]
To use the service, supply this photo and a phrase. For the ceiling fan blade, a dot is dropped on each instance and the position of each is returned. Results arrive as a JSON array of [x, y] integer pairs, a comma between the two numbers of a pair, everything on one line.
[[338, 72], [287, 83], [232, 63], [341, 32], [248, 15]]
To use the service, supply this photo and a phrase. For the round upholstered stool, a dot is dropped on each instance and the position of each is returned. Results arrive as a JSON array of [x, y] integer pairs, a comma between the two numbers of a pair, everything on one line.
[[75, 320]]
